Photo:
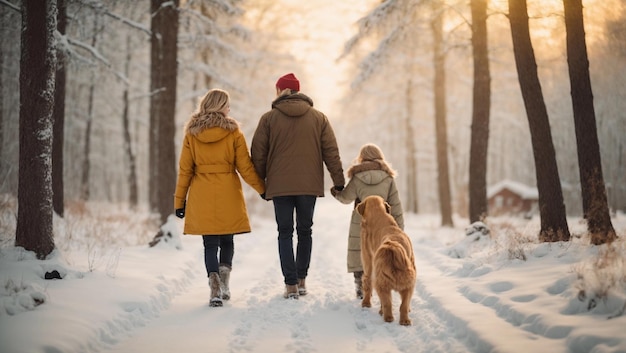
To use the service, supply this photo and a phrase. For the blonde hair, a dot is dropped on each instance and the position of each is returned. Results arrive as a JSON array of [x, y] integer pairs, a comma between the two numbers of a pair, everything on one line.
[[372, 153], [211, 113], [213, 103]]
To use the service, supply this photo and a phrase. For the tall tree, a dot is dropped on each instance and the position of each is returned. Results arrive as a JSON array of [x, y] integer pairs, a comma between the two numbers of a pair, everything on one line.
[[133, 194], [1, 99], [480, 113], [595, 204], [163, 71], [551, 207], [411, 204], [59, 117], [37, 78], [441, 128], [10, 51], [84, 181]]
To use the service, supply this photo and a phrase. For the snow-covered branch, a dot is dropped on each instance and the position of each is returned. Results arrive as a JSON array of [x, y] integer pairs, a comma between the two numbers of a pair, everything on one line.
[[8, 4], [131, 23], [94, 52], [65, 40], [369, 23], [98, 6], [225, 7], [212, 26], [373, 61], [163, 5]]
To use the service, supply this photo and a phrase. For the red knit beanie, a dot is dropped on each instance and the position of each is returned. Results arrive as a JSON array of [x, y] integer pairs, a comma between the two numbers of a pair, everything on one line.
[[288, 81]]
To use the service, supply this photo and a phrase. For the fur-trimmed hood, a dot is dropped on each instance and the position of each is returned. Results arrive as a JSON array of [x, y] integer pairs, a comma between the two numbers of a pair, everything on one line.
[[212, 127], [370, 165]]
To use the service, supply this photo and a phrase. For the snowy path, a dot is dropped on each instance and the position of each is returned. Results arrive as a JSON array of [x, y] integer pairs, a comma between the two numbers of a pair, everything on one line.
[[138, 299], [258, 319], [475, 304]]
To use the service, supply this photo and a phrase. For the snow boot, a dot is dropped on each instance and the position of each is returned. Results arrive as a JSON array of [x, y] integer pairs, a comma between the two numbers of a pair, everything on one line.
[[214, 284], [224, 279], [358, 284], [301, 287], [291, 291]]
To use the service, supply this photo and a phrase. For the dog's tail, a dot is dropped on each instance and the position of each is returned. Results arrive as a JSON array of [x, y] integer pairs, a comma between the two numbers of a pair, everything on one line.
[[392, 264]]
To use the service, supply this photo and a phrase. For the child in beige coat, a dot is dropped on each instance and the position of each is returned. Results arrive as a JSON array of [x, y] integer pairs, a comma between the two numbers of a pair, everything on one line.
[[370, 175]]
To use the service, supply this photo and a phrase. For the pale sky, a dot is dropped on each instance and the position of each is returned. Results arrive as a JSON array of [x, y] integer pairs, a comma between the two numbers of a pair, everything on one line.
[[325, 26]]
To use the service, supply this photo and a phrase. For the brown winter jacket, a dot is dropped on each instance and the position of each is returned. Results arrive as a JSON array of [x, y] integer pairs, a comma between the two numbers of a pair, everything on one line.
[[214, 150], [368, 178], [290, 146]]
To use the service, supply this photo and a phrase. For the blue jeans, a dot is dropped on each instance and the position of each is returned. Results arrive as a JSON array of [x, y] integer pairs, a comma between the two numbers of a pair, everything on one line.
[[284, 206], [227, 249]]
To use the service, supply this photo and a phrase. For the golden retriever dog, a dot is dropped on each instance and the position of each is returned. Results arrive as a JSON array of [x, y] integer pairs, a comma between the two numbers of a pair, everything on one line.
[[388, 259]]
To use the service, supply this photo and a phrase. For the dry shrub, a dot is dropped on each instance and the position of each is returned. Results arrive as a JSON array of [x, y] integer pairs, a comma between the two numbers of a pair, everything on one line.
[[602, 274], [518, 243], [77, 208], [509, 238], [8, 218], [99, 230], [7, 201]]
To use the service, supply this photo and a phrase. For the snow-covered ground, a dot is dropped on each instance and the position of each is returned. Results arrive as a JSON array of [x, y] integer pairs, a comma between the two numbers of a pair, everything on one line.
[[503, 292]]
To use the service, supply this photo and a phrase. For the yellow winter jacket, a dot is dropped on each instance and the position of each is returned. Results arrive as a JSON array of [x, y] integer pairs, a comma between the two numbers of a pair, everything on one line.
[[214, 150]]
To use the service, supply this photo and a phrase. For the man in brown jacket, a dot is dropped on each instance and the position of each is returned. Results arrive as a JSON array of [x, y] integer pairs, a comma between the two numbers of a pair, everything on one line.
[[289, 147]]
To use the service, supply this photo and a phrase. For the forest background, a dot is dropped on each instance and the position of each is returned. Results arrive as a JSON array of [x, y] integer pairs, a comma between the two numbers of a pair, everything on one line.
[[373, 78]]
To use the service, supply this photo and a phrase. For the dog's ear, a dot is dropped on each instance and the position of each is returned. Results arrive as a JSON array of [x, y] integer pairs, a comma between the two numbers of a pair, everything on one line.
[[387, 208], [360, 208]]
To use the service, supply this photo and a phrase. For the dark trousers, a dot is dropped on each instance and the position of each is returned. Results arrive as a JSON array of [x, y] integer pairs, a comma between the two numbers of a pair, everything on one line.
[[227, 249], [284, 206]]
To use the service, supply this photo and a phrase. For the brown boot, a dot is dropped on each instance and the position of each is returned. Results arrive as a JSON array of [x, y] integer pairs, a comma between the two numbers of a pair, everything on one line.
[[301, 287], [358, 284], [291, 291], [214, 284]]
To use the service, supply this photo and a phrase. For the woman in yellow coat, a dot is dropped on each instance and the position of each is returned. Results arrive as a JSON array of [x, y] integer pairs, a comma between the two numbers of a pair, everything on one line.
[[208, 191]]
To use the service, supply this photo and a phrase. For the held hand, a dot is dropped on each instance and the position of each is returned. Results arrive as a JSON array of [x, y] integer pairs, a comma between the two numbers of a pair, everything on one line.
[[180, 212], [334, 190], [338, 187]]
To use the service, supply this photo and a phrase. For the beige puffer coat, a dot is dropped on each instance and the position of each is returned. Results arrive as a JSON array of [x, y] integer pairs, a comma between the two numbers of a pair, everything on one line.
[[368, 178], [290, 146], [213, 151]]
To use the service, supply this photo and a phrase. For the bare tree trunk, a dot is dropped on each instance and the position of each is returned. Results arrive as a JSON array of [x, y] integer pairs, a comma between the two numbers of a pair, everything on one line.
[[59, 118], [10, 32], [1, 102], [411, 159], [205, 54], [85, 192], [84, 184], [37, 76], [132, 165], [595, 204], [551, 207], [163, 71], [441, 129], [480, 113]]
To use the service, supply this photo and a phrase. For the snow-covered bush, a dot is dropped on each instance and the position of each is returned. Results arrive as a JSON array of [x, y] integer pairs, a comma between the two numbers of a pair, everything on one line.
[[19, 297], [601, 281], [169, 234]]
